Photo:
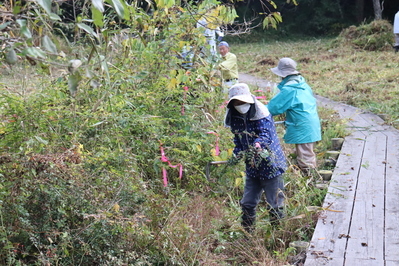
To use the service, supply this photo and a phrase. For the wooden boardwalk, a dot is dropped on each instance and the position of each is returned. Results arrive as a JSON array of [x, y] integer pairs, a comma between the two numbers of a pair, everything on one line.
[[360, 221]]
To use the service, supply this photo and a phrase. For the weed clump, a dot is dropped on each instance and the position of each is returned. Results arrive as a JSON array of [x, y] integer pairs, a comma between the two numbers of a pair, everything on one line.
[[375, 36]]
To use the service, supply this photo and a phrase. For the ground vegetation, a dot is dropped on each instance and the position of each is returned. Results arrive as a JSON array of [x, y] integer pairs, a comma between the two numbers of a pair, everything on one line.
[[105, 141]]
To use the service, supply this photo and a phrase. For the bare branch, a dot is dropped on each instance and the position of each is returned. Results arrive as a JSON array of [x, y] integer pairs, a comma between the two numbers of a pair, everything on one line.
[[241, 28]]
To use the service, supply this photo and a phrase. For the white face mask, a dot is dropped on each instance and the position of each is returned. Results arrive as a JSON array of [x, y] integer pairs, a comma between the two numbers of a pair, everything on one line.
[[243, 108]]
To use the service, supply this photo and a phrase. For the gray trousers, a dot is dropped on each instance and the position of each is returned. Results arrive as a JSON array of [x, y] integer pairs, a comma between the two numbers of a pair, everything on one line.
[[253, 190]]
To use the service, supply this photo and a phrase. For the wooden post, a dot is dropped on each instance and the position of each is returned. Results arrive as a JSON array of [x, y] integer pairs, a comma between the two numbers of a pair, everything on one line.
[[326, 174], [332, 154], [330, 162], [300, 246], [336, 143]]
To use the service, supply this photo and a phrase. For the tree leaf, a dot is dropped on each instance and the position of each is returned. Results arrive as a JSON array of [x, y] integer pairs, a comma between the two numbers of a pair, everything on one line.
[[173, 83], [120, 10], [34, 52], [273, 4], [170, 3], [277, 17], [104, 66], [46, 5], [16, 10], [4, 25], [97, 17], [24, 29], [87, 29], [54, 16], [49, 45], [98, 4], [11, 57]]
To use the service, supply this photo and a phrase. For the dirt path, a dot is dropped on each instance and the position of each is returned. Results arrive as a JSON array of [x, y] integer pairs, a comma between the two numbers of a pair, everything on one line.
[[259, 82]]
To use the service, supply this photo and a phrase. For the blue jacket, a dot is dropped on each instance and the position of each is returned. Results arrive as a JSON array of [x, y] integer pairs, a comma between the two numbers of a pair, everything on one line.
[[297, 101], [247, 133]]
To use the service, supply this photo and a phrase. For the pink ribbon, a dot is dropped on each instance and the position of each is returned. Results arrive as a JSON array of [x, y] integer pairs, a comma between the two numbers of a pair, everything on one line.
[[217, 150], [166, 160], [165, 177]]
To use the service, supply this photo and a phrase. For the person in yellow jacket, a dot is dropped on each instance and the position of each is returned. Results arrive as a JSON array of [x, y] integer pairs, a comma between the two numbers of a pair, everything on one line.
[[228, 67]]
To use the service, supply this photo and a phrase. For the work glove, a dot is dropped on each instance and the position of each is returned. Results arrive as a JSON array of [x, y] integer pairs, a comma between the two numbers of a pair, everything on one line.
[[220, 38]]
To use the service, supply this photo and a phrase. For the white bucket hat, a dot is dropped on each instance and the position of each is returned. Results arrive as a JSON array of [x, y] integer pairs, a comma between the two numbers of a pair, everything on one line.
[[286, 66], [240, 91]]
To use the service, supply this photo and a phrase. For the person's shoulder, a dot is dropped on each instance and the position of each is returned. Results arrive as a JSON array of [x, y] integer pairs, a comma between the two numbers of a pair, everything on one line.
[[230, 54], [268, 122], [295, 80]]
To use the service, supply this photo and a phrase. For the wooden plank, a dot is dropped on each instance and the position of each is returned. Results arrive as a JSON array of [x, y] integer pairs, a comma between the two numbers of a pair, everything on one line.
[[363, 262], [392, 197], [373, 118], [376, 122], [345, 111], [392, 263], [329, 238], [359, 123], [325, 261], [366, 233]]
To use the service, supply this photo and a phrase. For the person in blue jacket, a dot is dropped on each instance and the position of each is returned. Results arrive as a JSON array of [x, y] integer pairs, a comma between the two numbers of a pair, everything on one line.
[[256, 142], [297, 101]]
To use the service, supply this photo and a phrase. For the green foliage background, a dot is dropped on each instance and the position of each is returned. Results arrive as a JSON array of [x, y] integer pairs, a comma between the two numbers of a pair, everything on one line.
[[81, 170]]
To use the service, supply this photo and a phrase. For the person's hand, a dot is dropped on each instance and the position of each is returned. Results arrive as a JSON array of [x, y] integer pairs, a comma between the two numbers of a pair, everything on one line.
[[257, 146], [263, 153], [220, 38], [234, 159]]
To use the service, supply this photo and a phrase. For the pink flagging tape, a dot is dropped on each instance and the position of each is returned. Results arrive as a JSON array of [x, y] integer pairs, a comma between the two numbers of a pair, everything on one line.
[[165, 177], [166, 160]]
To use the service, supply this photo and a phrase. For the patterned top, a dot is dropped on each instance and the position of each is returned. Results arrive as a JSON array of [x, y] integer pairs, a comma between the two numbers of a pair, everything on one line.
[[247, 132]]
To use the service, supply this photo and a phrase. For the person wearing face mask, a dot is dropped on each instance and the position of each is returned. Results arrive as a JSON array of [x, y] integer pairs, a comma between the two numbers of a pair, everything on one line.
[[257, 143], [302, 122]]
